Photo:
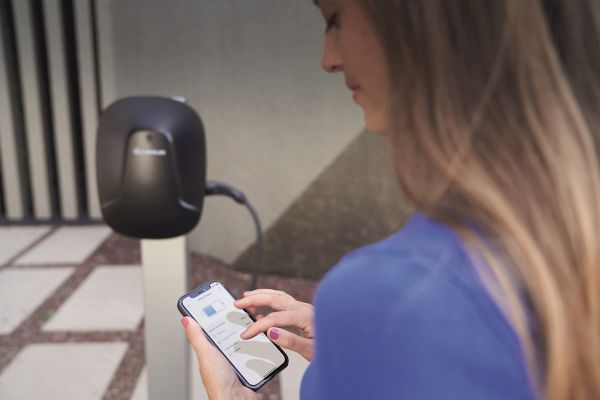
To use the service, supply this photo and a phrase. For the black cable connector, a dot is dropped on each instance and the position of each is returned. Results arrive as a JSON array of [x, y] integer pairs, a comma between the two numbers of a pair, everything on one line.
[[223, 189], [220, 188]]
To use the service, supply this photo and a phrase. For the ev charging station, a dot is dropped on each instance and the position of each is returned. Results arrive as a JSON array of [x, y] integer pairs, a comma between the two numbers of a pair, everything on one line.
[[151, 173]]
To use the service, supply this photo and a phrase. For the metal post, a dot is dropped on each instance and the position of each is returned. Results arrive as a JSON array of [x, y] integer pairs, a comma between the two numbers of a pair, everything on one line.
[[165, 268]]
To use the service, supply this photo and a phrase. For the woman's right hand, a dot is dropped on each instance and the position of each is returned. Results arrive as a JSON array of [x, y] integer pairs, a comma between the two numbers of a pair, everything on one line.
[[288, 312]]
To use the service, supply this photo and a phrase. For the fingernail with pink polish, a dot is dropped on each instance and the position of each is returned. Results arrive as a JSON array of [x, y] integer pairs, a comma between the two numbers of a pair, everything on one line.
[[184, 322], [274, 333]]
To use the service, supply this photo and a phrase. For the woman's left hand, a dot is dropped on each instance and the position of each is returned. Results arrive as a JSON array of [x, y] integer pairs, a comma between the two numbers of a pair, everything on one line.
[[218, 377]]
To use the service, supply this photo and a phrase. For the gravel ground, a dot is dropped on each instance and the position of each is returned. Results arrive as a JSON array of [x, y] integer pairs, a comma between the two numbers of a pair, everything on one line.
[[119, 250]]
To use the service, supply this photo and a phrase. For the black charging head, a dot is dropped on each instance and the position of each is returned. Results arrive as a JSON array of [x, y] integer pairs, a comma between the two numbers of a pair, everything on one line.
[[151, 167]]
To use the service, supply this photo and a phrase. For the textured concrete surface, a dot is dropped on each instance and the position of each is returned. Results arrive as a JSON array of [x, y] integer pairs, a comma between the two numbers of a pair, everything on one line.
[[111, 298], [15, 239], [141, 387], [23, 290], [66, 371], [66, 245], [354, 202]]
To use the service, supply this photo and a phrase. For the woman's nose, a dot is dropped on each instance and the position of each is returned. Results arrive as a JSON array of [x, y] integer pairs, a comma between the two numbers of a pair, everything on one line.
[[332, 60]]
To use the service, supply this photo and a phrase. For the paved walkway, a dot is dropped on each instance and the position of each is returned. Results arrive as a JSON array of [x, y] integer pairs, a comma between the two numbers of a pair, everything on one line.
[[71, 315]]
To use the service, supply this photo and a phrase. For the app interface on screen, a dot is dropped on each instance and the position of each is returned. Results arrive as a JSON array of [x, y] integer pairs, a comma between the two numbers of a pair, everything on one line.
[[214, 310]]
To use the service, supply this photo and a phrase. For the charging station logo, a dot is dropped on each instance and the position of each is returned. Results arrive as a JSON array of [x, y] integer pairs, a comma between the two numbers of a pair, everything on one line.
[[138, 151]]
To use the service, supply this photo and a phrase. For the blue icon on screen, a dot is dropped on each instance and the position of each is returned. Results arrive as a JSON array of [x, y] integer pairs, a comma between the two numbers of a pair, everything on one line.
[[210, 310], [213, 308]]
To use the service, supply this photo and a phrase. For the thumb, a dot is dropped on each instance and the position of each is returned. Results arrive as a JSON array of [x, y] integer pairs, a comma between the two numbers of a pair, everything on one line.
[[291, 341], [196, 336]]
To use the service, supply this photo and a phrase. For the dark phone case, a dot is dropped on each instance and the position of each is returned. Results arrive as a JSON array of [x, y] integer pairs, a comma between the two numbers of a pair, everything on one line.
[[183, 311]]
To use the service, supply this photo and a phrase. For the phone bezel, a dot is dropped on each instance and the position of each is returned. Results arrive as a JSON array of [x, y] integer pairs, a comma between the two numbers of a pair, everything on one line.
[[203, 288]]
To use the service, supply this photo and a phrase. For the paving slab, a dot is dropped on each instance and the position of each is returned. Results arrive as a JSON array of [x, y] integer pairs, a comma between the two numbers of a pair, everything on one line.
[[61, 371], [141, 387], [66, 245], [15, 239], [110, 298], [23, 290]]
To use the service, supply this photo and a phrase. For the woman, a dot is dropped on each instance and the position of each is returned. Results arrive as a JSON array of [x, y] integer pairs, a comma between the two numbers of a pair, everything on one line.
[[492, 290]]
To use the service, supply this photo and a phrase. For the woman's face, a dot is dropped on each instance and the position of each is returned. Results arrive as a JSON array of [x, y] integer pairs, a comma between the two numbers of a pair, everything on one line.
[[351, 47]]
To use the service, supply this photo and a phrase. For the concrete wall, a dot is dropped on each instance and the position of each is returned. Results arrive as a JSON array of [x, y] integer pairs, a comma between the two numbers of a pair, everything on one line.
[[274, 120]]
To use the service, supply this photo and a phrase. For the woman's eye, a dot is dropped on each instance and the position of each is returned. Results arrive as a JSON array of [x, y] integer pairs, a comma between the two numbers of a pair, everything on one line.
[[332, 22]]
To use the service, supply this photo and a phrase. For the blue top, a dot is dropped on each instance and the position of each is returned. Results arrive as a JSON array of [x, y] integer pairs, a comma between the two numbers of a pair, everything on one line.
[[408, 318]]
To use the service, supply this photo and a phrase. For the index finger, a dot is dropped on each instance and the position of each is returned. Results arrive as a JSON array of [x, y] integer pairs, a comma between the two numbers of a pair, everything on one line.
[[279, 318], [263, 290], [273, 300]]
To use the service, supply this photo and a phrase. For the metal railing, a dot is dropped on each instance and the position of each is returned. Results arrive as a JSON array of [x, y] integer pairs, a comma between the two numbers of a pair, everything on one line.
[[49, 106]]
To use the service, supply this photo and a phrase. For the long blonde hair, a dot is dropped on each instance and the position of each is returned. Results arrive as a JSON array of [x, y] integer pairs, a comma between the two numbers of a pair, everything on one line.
[[496, 125]]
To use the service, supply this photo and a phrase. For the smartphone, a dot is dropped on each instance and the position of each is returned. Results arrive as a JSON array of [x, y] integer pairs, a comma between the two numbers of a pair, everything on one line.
[[255, 361]]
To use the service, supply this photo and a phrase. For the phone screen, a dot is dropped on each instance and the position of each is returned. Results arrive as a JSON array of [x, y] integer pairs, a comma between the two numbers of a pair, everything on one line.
[[254, 359]]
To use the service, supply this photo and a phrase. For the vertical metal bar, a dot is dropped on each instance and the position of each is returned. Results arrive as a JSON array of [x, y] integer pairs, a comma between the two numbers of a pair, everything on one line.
[[32, 101], [2, 199], [59, 92], [88, 97], [165, 267], [105, 42], [11, 182], [70, 34]]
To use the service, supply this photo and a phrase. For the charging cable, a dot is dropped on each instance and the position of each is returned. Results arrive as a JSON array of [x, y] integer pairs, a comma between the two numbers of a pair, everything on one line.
[[223, 189]]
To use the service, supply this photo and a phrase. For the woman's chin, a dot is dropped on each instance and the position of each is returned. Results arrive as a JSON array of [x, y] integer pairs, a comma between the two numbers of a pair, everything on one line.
[[375, 121]]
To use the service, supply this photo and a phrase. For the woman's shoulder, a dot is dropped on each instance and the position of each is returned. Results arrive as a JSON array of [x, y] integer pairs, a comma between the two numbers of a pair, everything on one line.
[[423, 267], [414, 303], [422, 272], [421, 248]]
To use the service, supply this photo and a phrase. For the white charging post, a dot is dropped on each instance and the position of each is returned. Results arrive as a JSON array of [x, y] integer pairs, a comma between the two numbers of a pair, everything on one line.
[[166, 272], [144, 196]]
